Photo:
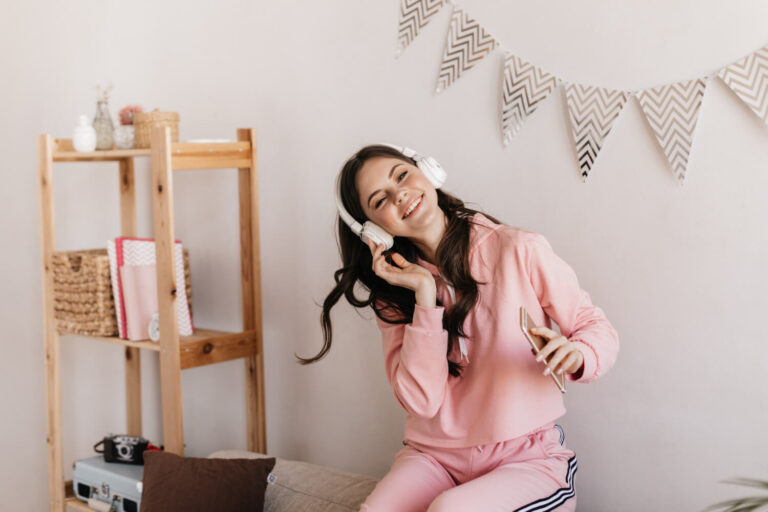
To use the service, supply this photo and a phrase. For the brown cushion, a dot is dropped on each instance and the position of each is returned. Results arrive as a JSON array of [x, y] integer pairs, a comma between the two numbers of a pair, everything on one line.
[[191, 484]]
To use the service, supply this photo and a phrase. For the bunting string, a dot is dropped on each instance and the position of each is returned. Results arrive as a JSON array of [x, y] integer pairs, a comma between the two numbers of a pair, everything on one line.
[[671, 110]]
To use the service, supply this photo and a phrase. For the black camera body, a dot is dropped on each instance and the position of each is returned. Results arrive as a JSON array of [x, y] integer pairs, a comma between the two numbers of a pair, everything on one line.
[[125, 449]]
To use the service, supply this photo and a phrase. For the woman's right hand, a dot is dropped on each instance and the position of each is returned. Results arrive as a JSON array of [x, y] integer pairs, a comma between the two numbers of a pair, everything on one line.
[[404, 273]]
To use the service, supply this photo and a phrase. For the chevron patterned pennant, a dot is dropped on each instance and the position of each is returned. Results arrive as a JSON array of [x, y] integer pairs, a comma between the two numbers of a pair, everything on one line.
[[749, 80], [672, 111], [524, 87], [592, 111], [467, 43], [414, 14]]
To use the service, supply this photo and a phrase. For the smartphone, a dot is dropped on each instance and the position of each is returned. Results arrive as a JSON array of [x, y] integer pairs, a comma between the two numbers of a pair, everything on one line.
[[537, 343]]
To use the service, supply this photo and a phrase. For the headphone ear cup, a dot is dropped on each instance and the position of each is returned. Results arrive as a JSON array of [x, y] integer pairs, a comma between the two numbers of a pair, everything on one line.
[[377, 235], [433, 171]]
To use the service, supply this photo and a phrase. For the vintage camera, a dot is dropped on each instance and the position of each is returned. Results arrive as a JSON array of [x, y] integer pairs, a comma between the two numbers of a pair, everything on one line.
[[125, 449]]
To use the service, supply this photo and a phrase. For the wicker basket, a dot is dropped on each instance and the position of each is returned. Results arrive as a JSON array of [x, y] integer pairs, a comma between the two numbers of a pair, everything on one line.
[[82, 292], [143, 122]]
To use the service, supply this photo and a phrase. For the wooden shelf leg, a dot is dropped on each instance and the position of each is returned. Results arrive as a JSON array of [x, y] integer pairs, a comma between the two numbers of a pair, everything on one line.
[[170, 359], [132, 354], [133, 391], [52, 345], [251, 289]]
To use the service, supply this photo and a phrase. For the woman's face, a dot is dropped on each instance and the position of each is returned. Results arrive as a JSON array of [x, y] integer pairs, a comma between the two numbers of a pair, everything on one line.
[[388, 189]]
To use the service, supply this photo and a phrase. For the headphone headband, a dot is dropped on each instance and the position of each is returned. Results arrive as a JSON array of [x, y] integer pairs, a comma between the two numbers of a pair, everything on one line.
[[408, 152]]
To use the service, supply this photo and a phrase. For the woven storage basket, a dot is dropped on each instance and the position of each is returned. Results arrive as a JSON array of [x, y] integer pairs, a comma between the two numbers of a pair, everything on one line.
[[82, 292], [143, 122]]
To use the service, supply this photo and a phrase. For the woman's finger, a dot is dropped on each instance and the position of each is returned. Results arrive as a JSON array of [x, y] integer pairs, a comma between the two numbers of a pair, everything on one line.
[[385, 269], [554, 361], [370, 244], [544, 331], [550, 347], [558, 360], [399, 260], [378, 263], [569, 362], [378, 252]]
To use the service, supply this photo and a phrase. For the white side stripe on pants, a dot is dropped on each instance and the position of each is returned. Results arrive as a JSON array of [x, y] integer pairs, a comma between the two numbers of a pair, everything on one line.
[[559, 497]]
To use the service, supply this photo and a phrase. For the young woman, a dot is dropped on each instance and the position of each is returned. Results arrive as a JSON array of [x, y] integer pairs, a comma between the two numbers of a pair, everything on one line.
[[479, 432]]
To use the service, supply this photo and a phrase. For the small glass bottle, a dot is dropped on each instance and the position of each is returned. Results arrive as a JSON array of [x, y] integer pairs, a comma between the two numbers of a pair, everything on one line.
[[102, 123]]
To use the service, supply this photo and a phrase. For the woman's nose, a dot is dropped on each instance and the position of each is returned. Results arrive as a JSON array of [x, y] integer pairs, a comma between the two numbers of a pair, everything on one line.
[[402, 196]]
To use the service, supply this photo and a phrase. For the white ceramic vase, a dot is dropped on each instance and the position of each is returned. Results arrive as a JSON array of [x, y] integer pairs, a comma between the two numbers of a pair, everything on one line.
[[84, 138]]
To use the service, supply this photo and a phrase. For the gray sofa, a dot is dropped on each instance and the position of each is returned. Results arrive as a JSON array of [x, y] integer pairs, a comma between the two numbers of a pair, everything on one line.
[[305, 487]]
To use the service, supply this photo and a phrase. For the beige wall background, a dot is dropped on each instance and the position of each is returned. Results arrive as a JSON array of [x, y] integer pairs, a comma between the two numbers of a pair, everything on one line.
[[678, 271]]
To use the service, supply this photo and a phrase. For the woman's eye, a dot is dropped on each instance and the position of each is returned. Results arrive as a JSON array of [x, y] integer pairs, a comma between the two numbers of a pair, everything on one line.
[[399, 178]]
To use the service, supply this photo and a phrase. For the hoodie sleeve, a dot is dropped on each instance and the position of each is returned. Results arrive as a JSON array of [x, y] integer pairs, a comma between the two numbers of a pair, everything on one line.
[[416, 363], [583, 323]]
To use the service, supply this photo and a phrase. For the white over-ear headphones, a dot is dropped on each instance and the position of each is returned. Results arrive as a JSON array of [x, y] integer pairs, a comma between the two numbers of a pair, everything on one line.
[[431, 169]]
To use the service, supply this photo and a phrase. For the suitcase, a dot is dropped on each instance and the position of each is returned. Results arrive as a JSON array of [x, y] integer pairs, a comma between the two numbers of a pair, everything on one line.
[[109, 482]]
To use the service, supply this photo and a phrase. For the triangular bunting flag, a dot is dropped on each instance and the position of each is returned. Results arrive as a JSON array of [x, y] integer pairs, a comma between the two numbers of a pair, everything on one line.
[[672, 111], [467, 43], [592, 110], [524, 87], [414, 14], [749, 80]]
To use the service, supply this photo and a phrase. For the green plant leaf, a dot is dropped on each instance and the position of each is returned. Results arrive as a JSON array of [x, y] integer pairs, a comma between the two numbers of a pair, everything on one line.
[[749, 482], [741, 504]]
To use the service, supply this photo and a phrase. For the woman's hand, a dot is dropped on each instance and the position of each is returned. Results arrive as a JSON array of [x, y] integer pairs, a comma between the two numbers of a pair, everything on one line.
[[404, 273], [565, 356]]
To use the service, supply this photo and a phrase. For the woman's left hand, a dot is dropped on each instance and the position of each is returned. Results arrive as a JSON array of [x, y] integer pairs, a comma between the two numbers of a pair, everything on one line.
[[565, 356]]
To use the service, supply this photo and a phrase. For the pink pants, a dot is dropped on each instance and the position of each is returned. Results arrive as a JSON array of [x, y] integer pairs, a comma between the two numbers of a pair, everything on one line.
[[530, 473]]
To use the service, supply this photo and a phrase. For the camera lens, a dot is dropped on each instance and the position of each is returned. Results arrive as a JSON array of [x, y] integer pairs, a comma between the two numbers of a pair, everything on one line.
[[124, 451]]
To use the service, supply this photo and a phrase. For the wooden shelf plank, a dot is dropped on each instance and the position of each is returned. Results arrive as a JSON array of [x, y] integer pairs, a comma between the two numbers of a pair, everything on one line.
[[71, 503], [216, 348], [211, 148], [209, 162], [64, 151], [205, 346], [210, 155], [185, 155], [75, 505], [95, 156], [150, 345]]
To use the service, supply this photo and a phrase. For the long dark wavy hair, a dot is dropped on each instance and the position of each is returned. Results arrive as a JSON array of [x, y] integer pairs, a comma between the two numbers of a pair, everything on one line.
[[395, 304]]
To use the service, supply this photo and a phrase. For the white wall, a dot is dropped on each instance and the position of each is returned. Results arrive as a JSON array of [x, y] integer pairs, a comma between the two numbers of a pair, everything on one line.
[[679, 271]]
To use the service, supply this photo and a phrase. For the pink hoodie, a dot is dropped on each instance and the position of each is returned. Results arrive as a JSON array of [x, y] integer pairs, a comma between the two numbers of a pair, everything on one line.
[[502, 393]]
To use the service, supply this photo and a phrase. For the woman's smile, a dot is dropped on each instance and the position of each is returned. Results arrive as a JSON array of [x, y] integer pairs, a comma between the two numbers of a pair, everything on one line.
[[413, 207]]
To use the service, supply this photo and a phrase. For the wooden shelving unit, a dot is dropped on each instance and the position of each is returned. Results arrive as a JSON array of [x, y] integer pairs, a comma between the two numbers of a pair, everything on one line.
[[176, 352]]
